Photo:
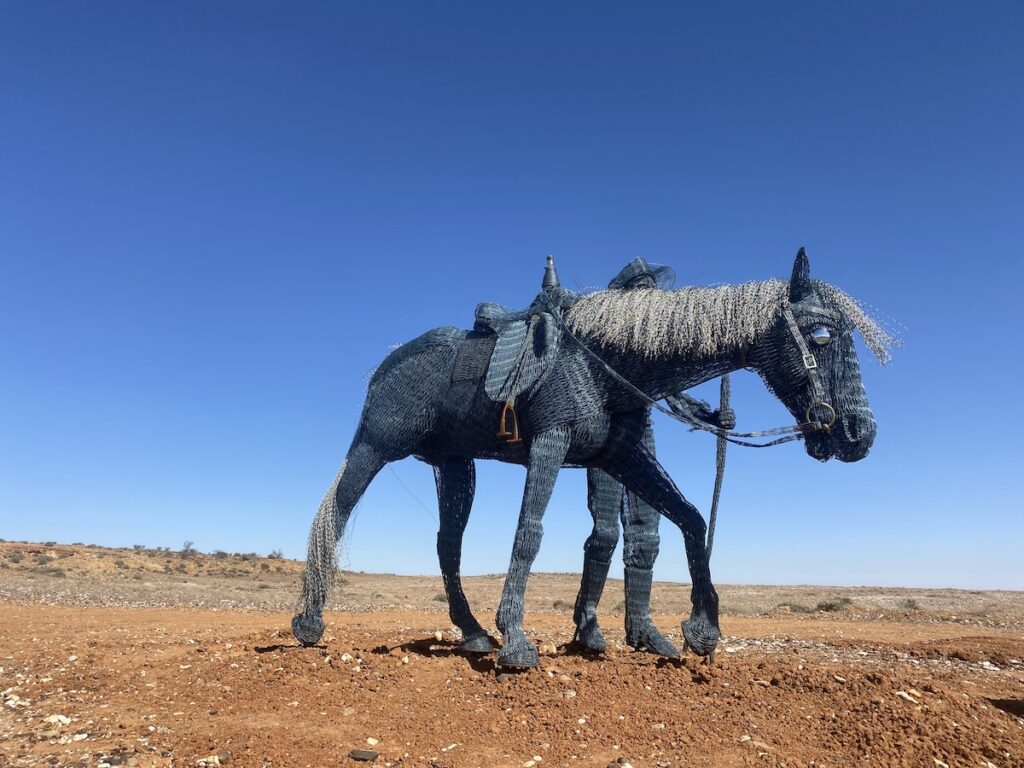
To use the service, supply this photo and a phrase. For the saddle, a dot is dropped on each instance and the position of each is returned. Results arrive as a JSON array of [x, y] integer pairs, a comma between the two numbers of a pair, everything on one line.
[[524, 353], [525, 348]]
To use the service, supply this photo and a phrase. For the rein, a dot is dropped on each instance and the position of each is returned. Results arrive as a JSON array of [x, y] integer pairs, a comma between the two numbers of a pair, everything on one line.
[[789, 433]]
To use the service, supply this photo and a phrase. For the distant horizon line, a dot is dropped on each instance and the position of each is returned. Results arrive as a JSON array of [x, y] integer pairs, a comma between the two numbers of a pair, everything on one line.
[[275, 555]]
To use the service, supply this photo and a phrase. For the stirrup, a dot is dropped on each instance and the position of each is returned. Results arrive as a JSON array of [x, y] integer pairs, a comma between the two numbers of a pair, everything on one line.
[[511, 436]]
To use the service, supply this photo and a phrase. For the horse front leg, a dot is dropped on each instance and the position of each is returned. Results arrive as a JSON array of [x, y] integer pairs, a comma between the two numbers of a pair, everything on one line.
[[456, 486], [547, 452], [639, 471]]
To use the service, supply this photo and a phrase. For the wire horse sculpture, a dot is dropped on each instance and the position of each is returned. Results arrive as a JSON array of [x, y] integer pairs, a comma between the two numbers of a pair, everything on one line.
[[586, 372]]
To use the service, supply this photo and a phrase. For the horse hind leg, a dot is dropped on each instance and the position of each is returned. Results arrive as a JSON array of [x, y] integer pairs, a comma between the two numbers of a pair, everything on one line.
[[456, 485], [360, 467]]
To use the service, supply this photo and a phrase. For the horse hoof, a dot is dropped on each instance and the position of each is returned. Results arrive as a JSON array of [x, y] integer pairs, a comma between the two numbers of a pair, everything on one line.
[[652, 641], [521, 655], [701, 635], [478, 644], [307, 629], [591, 639]]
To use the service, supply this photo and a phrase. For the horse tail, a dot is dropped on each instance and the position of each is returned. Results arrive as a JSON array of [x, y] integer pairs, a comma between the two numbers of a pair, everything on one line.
[[355, 474]]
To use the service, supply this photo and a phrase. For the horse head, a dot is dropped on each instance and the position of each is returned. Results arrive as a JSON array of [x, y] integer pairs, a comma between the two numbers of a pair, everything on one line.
[[808, 360]]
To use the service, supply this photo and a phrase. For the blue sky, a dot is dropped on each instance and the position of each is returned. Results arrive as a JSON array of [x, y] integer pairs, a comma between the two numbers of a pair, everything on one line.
[[216, 218]]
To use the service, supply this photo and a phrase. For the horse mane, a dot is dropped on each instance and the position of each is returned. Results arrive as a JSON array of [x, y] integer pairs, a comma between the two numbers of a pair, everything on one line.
[[705, 321]]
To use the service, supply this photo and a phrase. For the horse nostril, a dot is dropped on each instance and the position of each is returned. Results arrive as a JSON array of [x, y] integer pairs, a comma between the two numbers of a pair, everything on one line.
[[851, 428], [858, 425]]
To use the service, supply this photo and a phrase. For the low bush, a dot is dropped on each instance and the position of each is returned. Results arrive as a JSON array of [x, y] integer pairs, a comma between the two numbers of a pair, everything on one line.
[[835, 604]]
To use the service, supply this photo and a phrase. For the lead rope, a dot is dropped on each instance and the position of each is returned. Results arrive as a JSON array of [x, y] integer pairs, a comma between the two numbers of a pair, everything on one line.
[[723, 444]]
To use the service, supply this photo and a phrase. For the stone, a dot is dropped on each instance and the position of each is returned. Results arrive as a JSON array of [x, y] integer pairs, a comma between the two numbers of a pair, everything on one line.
[[439, 636], [372, 741], [365, 755], [906, 697]]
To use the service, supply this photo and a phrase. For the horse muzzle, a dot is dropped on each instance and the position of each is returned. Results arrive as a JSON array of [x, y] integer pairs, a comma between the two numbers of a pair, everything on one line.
[[847, 436]]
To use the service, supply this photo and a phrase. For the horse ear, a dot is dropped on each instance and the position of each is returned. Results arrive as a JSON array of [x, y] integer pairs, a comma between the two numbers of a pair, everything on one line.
[[800, 283]]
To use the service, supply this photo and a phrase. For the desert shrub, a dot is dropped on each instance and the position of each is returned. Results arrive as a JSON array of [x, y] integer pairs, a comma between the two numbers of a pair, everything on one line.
[[137, 576], [835, 604], [263, 585], [181, 568], [275, 555], [440, 597], [44, 559], [49, 570], [561, 605], [138, 547], [121, 564], [49, 543], [15, 557], [187, 549], [796, 607], [909, 604], [220, 554]]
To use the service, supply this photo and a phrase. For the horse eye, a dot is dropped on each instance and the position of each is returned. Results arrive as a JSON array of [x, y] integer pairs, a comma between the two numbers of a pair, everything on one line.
[[821, 336]]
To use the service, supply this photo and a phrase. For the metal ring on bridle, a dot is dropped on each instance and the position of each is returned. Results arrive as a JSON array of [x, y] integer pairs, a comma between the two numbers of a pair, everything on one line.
[[823, 426]]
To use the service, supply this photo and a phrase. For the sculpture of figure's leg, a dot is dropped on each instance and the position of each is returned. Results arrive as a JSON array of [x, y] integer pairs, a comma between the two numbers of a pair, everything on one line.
[[456, 484], [547, 452], [361, 465], [641, 543], [604, 497], [640, 472]]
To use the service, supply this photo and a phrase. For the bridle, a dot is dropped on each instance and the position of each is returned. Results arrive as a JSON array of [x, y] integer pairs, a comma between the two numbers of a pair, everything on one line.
[[811, 367], [787, 433]]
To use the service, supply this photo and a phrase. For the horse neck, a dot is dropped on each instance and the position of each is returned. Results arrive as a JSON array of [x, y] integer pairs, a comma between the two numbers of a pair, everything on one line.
[[658, 378]]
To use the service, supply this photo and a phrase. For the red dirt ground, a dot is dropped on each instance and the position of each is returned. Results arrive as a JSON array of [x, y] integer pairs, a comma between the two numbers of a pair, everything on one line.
[[88, 685]]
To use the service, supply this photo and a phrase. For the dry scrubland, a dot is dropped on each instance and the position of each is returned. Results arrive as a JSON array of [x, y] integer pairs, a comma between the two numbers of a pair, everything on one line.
[[151, 658]]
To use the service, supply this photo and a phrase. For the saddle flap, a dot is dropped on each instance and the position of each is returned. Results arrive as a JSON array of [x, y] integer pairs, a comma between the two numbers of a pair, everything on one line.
[[523, 356]]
